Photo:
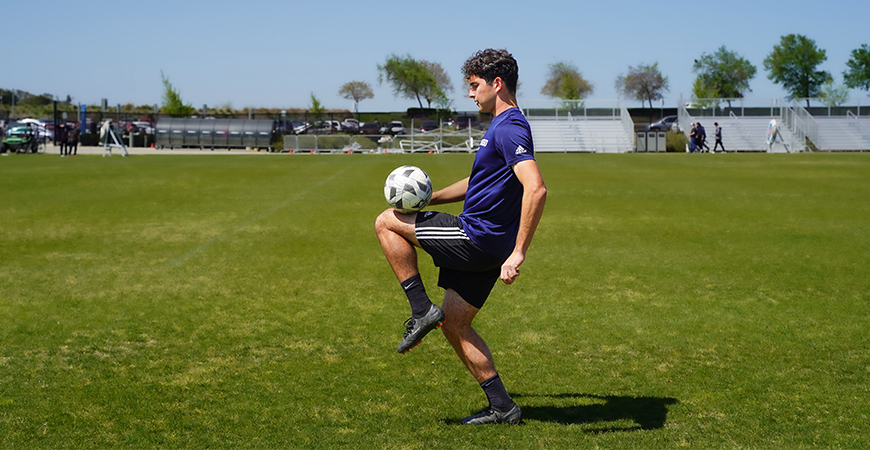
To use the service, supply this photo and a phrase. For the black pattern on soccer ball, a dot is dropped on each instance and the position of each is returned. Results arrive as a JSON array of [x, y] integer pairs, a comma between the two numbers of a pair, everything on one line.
[[408, 189]]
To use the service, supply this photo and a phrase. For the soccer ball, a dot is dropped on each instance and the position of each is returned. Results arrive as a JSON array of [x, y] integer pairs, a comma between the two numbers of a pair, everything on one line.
[[408, 189]]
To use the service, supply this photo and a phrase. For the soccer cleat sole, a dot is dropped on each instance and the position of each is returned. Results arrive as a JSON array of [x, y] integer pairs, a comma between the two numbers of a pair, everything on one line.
[[421, 340]]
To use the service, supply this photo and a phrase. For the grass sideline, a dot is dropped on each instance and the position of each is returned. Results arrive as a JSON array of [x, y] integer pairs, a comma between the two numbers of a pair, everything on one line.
[[669, 301]]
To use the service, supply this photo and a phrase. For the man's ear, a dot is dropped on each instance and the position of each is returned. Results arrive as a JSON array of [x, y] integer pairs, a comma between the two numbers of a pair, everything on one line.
[[498, 84]]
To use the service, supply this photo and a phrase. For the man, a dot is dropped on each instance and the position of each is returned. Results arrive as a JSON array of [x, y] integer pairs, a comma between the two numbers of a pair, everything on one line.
[[717, 132], [702, 138], [504, 200], [63, 139], [693, 138], [73, 140]]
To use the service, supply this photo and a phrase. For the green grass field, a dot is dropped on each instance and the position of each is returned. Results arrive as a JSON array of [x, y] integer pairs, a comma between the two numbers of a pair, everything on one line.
[[668, 301]]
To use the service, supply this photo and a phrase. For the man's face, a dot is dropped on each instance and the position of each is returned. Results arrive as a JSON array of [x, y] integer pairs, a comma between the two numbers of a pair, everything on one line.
[[483, 94]]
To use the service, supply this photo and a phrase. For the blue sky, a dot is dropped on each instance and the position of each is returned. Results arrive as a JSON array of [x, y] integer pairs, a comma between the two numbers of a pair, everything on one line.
[[276, 53]]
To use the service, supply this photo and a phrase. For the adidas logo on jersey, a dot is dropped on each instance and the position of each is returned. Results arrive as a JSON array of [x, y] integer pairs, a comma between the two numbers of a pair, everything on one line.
[[521, 150], [483, 142]]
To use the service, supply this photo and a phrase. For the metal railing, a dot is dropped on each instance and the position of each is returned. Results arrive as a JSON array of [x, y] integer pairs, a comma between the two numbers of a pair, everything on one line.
[[805, 125], [579, 113], [627, 122], [435, 142], [562, 109], [791, 122]]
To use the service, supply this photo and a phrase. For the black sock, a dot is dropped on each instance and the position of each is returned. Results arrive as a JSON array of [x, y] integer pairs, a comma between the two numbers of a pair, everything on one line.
[[496, 394], [417, 297]]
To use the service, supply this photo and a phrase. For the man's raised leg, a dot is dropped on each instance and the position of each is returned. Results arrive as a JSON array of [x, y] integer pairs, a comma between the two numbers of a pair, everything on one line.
[[398, 239]]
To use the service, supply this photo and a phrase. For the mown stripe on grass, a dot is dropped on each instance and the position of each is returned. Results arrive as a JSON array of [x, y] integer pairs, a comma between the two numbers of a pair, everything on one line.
[[178, 261]]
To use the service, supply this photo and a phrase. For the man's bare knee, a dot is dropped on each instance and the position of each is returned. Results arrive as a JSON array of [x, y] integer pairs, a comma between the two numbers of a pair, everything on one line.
[[383, 220], [391, 221]]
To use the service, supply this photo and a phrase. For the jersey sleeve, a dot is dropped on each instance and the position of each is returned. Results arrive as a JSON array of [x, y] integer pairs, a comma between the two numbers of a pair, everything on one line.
[[515, 142]]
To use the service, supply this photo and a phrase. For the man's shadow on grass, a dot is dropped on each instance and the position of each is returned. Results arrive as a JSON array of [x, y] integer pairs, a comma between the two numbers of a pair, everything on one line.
[[610, 412]]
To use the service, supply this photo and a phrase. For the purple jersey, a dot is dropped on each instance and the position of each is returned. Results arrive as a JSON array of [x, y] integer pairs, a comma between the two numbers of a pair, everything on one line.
[[493, 203]]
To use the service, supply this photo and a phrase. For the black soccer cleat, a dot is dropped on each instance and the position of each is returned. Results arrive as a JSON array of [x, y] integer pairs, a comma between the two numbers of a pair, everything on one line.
[[489, 415], [416, 329]]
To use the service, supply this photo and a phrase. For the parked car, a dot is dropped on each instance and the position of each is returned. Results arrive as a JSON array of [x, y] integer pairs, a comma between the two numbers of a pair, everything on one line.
[[351, 125], [39, 127], [394, 127], [326, 126], [143, 126], [370, 128], [666, 123], [428, 125], [300, 127], [462, 122]]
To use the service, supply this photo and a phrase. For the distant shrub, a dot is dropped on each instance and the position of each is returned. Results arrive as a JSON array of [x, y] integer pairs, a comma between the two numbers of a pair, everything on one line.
[[676, 142]]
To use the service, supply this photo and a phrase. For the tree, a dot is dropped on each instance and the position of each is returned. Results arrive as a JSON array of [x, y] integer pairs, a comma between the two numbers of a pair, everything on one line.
[[724, 74], [564, 81], [857, 76], [643, 83], [172, 103], [793, 65], [703, 95], [356, 91], [833, 94], [410, 78], [437, 92], [317, 109], [36, 100]]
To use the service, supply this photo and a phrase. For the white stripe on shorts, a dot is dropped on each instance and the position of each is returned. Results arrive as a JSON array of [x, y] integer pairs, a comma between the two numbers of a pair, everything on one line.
[[441, 233]]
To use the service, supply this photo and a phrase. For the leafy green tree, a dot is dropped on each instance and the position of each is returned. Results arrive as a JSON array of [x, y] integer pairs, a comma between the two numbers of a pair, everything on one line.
[[564, 81], [857, 76], [36, 100], [642, 83], [409, 78], [437, 92], [356, 91], [793, 64], [833, 94], [725, 73], [703, 95], [317, 109], [172, 104]]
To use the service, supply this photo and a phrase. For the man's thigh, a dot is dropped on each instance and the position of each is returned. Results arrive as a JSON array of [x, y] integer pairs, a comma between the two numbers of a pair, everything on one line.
[[401, 224]]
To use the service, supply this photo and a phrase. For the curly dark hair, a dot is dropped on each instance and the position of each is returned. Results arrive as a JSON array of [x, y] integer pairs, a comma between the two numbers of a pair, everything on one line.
[[490, 64]]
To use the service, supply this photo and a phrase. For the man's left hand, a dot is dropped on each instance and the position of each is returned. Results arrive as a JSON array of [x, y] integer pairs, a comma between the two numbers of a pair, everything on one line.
[[510, 270]]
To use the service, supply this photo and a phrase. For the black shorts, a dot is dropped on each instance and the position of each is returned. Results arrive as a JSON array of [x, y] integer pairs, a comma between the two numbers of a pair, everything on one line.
[[465, 267]]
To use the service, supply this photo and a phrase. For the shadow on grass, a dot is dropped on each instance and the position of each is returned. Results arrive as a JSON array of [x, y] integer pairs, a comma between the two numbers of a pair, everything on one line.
[[612, 413]]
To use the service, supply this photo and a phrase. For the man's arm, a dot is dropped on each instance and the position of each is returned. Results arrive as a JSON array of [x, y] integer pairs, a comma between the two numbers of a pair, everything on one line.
[[534, 198], [453, 193]]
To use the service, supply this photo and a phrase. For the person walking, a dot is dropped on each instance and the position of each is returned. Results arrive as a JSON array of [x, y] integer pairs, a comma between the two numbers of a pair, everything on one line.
[[717, 133], [504, 199], [73, 140], [701, 135], [693, 138]]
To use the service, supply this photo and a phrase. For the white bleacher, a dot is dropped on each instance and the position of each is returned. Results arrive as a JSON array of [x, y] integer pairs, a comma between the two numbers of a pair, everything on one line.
[[847, 133], [605, 127], [749, 134], [746, 133], [583, 134]]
